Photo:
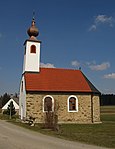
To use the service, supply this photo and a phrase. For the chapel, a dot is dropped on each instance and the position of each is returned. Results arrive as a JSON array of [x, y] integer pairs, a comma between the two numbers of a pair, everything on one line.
[[65, 92]]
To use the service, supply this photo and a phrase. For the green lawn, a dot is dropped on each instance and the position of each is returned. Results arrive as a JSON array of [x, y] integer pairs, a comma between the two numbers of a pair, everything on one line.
[[107, 109], [98, 134]]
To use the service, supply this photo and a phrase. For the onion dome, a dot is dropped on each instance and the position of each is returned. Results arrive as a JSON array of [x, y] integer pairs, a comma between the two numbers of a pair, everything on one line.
[[33, 30]]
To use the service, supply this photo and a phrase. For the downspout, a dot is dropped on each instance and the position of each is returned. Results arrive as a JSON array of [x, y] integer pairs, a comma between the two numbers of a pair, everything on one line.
[[92, 108]]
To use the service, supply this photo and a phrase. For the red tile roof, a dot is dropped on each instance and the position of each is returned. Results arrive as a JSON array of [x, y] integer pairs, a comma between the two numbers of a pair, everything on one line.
[[53, 79]]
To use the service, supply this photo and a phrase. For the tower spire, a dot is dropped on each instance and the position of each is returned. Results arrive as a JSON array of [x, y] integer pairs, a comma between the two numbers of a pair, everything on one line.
[[32, 49], [33, 15], [33, 30]]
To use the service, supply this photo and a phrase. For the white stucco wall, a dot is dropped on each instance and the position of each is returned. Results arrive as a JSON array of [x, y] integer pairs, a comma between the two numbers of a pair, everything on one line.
[[31, 60], [22, 99]]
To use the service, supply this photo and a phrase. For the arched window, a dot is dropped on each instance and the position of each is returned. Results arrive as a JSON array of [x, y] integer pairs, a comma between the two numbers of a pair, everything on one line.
[[48, 104], [72, 104], [33, 49]]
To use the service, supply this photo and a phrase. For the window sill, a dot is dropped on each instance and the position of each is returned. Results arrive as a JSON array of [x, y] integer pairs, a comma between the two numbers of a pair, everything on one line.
[[73, 111]]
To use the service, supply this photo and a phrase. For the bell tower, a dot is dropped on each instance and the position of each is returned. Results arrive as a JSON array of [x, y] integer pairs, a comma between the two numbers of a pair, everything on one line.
[[32, 50]]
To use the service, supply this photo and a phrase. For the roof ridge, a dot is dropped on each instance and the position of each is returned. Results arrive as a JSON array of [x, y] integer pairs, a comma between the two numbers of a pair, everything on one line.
[[60, 68]]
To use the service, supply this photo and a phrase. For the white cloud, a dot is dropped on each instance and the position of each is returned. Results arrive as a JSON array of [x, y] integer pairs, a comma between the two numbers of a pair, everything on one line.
[[47, 65], [102, 19], [93, 28], [92, 65], [109, 76], [100, 67], [75, 63]]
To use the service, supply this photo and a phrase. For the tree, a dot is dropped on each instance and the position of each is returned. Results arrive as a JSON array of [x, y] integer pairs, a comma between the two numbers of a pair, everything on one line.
[[0, 101], [5, 98], [107, 99], [10, 110], [51, 118]]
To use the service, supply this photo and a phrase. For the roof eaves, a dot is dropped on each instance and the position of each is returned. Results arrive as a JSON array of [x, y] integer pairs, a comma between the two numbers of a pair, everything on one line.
[[59, 91], [92, 87]]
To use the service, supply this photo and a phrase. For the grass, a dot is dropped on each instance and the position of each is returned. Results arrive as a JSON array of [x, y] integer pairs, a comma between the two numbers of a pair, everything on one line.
[[107, 110], [98, 134]]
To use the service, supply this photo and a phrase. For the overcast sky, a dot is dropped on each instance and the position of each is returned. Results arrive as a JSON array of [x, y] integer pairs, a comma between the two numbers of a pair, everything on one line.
[[74, 33]]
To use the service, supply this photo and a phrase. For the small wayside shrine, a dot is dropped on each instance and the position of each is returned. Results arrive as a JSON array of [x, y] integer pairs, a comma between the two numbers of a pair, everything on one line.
[[65, 92]]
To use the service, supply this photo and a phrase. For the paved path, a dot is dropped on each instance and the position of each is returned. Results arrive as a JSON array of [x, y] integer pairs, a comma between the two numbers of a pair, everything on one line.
[[15, 137]]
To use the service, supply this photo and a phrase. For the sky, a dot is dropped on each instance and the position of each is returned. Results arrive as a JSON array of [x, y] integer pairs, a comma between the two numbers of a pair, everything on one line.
[[74, 33]]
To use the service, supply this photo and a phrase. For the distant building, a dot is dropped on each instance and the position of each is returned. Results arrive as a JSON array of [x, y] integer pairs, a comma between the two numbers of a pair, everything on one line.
[[66, 92], [15, 103]]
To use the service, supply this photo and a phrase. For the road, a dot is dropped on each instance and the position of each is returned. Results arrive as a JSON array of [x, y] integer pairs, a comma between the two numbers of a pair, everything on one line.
[[15, 137]]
